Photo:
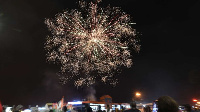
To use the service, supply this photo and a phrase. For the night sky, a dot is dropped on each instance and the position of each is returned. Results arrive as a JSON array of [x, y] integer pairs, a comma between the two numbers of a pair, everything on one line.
[[168, 63]]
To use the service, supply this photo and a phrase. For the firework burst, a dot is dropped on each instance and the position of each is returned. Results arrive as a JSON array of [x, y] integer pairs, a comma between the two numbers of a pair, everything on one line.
[[90, 39]]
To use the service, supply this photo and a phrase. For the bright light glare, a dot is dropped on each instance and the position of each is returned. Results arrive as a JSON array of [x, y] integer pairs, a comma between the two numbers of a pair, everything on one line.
[[74, 102], [8, 109], [195, 100], [138, 94], [41, 108], [27, 110]]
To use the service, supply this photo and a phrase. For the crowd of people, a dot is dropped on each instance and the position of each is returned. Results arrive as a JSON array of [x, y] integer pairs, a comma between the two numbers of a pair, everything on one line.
[[162, 104], [168, 104]]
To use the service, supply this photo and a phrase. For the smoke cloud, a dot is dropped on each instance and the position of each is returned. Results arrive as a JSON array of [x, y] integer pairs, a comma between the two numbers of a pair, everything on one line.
[[91, 94]]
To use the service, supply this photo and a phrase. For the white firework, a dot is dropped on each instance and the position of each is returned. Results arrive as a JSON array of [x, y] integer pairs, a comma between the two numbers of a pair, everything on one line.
[[92, 39]]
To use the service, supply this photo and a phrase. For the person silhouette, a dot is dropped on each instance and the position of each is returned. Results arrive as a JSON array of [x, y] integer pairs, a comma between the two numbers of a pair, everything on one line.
[[133, 108], [88, 108], [167, 104], [99, 109]]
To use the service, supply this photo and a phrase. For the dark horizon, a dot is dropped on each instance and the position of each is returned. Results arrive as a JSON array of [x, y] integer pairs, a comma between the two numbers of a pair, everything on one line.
[[167, 64]]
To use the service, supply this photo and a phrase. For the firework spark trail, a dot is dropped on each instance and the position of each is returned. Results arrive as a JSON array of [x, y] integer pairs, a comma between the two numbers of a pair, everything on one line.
[[93, 39]]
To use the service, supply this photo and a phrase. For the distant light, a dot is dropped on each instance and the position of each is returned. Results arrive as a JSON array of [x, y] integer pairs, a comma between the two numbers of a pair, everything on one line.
[[8, 109], [93, 104], [198, 102], [137, 94], [27, 110], [41, 108], [195, 100], [75, 102], [144, 105]]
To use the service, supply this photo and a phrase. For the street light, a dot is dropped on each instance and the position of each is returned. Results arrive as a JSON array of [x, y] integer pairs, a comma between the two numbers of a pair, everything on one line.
[[137, 94], [195, 100]]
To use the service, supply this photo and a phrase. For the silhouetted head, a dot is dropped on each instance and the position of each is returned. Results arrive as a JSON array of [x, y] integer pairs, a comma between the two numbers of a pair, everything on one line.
[[99, 107], [133, 104], [188, 107], [167, 104]]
